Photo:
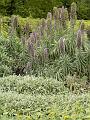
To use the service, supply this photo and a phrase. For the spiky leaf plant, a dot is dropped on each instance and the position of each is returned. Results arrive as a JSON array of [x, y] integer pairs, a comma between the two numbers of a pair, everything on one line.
[[81, 62]]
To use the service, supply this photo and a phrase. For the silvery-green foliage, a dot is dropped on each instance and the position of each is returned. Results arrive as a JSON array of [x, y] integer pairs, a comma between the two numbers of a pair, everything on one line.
[[31, 85], [66, 65], [32, 97], [81, 62]]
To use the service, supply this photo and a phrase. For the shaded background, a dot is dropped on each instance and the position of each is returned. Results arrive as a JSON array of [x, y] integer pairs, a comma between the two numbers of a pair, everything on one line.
[[39, 8]]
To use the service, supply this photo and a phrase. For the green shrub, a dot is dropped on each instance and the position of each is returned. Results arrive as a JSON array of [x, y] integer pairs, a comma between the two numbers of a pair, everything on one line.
[[38, 98], [38, 8], [31, 85], [13, 56]]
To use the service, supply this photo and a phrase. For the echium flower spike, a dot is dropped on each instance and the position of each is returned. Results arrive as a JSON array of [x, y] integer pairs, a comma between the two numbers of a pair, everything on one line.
[[59, 12], [55, 13], [82, 26], [23, 39], [59, 15], [42, 26], [43, 23], [59, 18], [73, 14], [26, 30], [13, 25], [35, 36], [49, 16], [32, 38], [14, 22], [49, 22], [46, 53], [63, 22], [79, 39], [56, 17], [38, 40], [62, 45], [66, 14], [31, 49], [39, 30], [49, 27]]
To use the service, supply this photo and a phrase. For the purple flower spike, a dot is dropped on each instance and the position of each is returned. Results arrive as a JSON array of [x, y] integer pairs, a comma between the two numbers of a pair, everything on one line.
[[62, 45], [82, 26], [32, 38], [46, 53], [73, 14], [31, 49], [79, 39], [35, 36]]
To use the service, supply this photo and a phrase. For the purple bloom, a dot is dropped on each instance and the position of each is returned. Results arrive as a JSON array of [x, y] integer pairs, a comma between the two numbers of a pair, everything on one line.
[[31, 49], [62, 45], [73, 14], [35, 36], [46, 53], [79, 39], [82, 26]]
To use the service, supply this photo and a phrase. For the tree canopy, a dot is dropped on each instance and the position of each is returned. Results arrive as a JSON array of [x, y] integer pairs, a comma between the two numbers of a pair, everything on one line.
[[39, 8]]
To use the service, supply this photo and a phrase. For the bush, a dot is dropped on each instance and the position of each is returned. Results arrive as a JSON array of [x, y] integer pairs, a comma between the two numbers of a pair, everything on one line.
[[31, 85], [13, 56], [38, 8], [38, 98]]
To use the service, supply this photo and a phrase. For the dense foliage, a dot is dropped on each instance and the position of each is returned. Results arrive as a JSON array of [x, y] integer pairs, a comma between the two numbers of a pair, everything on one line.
[[39, 8], [32, 98], [12, 56], [44, 64], [55, 48]]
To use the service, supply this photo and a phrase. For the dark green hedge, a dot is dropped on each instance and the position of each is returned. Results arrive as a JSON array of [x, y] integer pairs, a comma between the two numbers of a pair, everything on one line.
[[39, 8]]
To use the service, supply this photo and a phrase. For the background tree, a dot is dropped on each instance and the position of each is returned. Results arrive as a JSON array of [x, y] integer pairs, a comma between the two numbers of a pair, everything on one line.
[[39, 8]]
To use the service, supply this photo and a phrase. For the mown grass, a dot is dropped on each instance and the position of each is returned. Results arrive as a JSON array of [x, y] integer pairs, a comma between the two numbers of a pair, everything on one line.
[[36, 98]]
